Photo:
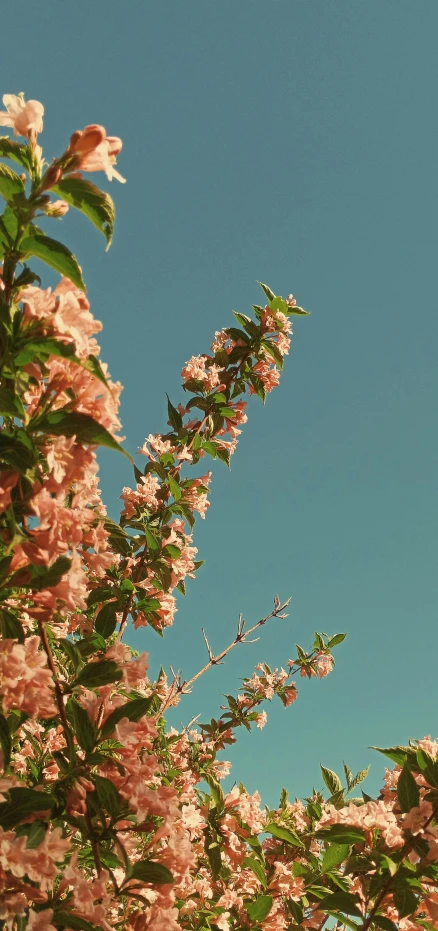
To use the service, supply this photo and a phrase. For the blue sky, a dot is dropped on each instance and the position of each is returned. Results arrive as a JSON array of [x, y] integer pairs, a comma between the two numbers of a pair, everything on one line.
[[293, 142]]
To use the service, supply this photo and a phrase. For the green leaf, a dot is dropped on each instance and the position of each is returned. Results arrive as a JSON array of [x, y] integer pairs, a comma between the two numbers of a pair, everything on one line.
[[55, 254], [274, 352], [296, 910], [48, 577], [342, 834], [384, 923], [348, 776], [84, 729], [338, 638], [133, 710], [150, 872], [389, 863], [359, 777], [171, 550], [92, 364], [331, 780], [396, 754], [95, 674], [35, 834], [250, 863], [241, 318], [10, 404], [108, 795], [408, 792], [174, 488], [19, 153], [210, 448], [428, 766], [83, 427], [223, 454], [10, 626], [175, 418], [17, 451], [258, 910], [43, 348], [150, 539], [333, 856], [91, 201], [106, 620], [283, 833], [405, 901], [269, 294], [71, 651], [340, 901], [91, 644], [5, 741], [23, 802], [75, 922], [11, 184], [215, 788]]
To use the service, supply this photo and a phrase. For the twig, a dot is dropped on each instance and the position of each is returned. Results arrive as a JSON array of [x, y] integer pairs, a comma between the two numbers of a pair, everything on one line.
[[93, 842], [58, 691], [183, 687]]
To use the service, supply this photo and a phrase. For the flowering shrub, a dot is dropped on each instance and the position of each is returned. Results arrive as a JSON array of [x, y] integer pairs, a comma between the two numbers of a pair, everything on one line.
[[108, 818]]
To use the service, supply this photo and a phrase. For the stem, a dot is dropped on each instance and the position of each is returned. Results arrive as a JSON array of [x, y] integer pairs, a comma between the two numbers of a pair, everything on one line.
[[184, 687], [174, 470], [93, 842], [239, 638], [58, 691]]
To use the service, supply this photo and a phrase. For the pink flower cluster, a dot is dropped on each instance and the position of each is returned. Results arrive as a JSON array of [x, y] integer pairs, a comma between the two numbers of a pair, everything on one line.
[[26, 682]]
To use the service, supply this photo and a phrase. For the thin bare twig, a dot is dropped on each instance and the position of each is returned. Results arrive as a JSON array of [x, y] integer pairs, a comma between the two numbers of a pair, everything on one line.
[[183, 687]]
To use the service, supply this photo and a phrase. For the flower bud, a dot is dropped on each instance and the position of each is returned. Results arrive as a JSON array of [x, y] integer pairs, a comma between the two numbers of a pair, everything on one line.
[[51, 177]]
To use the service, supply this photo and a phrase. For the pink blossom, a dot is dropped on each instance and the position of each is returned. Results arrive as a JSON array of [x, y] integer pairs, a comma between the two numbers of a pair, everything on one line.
[[40, 921], [26, 119], [269, 375], [26, 682], [324, 664], [8, 481], [96, 151], [195, 494], [261, 719], [290, 695], [144, 496], [57, 208], [196, 368], [158, 444]]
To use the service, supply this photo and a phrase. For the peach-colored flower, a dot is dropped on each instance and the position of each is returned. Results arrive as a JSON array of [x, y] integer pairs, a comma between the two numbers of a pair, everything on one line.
[[26, 119], [96, 151], [261, 719], [40, 921], [57, 208]]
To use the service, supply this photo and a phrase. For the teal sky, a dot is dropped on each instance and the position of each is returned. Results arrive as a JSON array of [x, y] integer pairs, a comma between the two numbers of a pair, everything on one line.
[[293, 142]]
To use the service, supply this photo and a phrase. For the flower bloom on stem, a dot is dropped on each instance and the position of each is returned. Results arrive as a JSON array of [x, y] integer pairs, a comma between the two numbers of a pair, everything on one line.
[[196, 369], [57, 208], [324, 664], [26, 682], [26, 119], [95, 151]]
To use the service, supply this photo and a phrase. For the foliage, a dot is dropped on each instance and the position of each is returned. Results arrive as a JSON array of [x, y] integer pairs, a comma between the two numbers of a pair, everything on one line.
[[108, 818]]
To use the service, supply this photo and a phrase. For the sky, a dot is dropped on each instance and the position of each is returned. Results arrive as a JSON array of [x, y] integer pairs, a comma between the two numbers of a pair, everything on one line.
[[295, 143]]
